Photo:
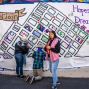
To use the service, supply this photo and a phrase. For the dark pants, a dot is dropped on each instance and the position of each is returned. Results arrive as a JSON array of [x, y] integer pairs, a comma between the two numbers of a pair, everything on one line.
[[19, 63]]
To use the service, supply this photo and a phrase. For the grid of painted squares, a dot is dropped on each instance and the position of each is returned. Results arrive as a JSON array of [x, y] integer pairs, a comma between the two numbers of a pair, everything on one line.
[[13, 35], [45, 17], [71, 36]]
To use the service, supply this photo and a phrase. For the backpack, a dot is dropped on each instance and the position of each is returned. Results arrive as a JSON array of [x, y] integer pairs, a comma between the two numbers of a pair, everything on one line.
[[58, 47]]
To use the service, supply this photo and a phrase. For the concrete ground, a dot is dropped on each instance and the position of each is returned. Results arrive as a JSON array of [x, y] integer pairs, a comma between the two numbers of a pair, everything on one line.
[[74, 72], [12, 82]]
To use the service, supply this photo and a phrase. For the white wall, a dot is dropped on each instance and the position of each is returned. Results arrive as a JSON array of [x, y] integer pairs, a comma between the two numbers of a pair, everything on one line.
[[77, 57]]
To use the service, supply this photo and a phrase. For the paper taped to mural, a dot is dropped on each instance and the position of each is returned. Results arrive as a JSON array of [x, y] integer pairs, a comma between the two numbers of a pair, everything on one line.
[[42, 18]]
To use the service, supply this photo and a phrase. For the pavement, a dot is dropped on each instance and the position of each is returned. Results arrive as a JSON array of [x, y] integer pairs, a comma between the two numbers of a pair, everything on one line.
[[12, 82], [82, 72]]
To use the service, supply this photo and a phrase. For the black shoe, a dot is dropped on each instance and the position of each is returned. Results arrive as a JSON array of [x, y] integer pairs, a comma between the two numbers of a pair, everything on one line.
[[32, 80]]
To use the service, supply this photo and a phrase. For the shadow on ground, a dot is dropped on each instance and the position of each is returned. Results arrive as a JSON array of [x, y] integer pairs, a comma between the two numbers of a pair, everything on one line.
[[12, 82]]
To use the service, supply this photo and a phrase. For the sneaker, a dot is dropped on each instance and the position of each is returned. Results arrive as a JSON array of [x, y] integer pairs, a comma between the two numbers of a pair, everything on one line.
[[58, 83], [18, 76], [32, 80], [27, 78], [21, 76], [54, 87]]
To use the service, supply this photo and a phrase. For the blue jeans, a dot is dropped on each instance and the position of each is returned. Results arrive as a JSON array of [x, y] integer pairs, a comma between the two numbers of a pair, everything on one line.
[[19, 63], [53, 69]]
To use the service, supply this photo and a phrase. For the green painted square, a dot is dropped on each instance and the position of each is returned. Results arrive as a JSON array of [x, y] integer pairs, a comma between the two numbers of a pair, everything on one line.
[[84, 34], [38, 27], [36, 16], [44, 39], [61, 34]]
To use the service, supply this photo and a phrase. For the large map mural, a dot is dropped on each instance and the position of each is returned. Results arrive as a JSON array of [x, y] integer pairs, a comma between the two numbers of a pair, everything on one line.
[[45, 17]]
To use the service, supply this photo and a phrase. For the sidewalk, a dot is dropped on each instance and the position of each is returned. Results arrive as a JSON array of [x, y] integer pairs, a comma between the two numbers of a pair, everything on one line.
[[82, 72], [76, 72]]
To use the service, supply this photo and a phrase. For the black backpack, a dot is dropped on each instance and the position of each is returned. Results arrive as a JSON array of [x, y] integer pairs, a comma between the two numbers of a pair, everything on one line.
[[58, 47]]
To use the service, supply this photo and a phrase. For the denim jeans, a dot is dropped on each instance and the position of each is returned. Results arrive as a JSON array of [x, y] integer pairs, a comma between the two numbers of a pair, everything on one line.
[[53, 69], [19, 63]]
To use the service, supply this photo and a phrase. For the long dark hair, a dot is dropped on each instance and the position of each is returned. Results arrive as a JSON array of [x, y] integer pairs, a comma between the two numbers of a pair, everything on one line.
[[55, 36]]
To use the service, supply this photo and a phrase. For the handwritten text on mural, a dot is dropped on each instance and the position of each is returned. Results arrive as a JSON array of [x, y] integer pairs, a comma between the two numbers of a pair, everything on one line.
[[81, 12], [9, 16]]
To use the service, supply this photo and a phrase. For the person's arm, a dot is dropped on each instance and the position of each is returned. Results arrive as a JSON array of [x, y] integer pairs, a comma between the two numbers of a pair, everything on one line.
[[25, 48], [19, 45], [33, 55], [44, 55], [56, 49], [45, 47]]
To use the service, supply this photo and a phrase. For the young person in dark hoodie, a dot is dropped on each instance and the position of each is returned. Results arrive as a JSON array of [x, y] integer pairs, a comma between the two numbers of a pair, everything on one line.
[[21, 49]]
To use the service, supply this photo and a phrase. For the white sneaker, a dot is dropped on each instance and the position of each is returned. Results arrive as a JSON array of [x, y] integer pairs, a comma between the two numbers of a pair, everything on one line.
[[58, 83], [27, 78], [32, 80], [54, 87]]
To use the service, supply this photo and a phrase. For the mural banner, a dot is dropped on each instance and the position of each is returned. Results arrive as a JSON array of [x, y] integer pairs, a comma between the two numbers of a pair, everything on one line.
[[8, 16], [33, 1], [70, 21]]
